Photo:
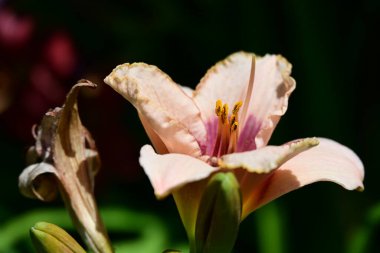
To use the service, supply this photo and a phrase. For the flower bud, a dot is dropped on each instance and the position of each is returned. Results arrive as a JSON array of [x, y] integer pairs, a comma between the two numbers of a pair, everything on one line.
[[49, 238], [219, 215]]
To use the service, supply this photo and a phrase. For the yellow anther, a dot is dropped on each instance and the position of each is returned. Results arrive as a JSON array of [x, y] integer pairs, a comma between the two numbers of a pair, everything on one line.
[[224, 113], [236, 108], [234, 126], [232, 119], [218, 107]]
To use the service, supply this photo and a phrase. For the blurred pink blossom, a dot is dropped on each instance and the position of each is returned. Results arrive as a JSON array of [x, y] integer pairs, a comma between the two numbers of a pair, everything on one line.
[[15, 31], [60, 54]]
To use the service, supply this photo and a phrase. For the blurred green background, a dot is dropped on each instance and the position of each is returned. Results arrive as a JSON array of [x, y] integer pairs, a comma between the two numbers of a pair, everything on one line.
[[45, 46]]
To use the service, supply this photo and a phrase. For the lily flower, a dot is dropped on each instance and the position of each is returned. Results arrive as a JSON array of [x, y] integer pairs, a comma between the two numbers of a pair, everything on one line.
[[225, 125], [64, 159]]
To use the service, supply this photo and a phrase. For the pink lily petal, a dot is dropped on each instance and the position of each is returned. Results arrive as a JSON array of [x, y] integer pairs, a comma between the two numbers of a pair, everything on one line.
[[259, 165], [157, 142], [188, 91], [329, 161], [171, 171], [168, 111], [251, 185], [271, 90], [227, 80], [266, 159]]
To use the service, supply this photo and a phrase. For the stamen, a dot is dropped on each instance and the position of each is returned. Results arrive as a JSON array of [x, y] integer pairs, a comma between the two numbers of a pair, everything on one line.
[[227, 131], [218, 137], [237, 107], [234, 126], [234, 116], [220, 111], [218, 107], [224, 114], [233, 119], [225, 139], [233, 137]]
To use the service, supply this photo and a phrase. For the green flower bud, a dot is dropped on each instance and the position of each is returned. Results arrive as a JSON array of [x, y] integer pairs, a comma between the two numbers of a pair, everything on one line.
[[49, 238], [219, 215]]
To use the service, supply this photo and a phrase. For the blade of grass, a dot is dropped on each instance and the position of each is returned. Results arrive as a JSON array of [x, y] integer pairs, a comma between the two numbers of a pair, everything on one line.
[[270, 225], [360, 242]]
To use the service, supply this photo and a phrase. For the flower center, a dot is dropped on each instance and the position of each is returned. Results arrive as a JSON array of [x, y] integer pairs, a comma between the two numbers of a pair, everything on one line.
[[228, 124], [228, 128]]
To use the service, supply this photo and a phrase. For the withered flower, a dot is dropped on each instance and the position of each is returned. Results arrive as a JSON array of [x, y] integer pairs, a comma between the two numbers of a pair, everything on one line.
[[64, 159]]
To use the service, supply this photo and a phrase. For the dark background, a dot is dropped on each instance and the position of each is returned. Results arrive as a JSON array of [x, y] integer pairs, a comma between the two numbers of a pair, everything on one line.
[[46, 46]]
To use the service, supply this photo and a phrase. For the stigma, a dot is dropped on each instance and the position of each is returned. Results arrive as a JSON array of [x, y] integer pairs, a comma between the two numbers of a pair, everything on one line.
[[228, 128]]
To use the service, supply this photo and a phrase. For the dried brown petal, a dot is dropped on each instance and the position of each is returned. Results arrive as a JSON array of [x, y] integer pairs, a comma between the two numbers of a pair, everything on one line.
[[38, 181], [68, 153]]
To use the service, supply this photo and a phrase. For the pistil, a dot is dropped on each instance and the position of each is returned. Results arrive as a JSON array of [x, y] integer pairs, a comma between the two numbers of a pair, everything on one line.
[[249, 90], [228, 125]]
